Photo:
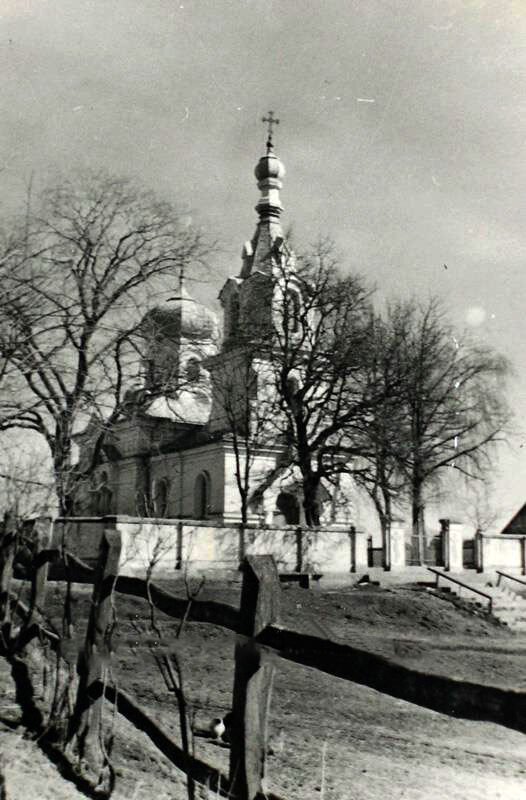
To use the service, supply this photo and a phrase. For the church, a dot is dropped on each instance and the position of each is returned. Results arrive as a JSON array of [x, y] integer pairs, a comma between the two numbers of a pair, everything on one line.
[[172, 454], [173, 465]]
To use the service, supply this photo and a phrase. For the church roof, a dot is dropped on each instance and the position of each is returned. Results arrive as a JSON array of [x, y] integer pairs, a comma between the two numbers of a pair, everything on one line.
[[188, 407]]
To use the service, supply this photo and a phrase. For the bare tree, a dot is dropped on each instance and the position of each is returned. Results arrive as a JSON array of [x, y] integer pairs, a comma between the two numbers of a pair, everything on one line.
[[452, 392], [247, 412], [26, 484], [75, 280], [26, 493], [478, 505], [383, 437], [318, 351]]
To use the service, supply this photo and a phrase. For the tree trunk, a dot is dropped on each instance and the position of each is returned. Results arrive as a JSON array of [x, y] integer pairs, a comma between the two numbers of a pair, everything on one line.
[[8, 546], [244, 507], [386, 530], [418, 526], [62, 468], [311, 505], [384, 517], [63, 488]]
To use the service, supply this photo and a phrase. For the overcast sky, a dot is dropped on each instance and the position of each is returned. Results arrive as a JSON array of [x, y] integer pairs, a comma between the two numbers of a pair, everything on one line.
[[403, 130]]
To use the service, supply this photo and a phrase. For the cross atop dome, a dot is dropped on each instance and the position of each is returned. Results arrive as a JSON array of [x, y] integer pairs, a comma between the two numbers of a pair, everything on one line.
[[270, 120]]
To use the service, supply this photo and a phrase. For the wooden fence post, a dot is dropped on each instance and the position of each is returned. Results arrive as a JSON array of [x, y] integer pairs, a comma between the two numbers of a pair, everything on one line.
[[254, 668], [85, 734], [8, 538], [40, 567]]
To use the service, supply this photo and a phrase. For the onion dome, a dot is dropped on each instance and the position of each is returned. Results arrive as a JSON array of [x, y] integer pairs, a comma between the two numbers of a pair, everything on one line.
[[269, 172], [182, 317], [269, 166]]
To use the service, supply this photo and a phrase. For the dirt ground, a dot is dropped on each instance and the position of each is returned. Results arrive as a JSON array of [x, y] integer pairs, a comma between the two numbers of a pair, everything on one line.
[[330, 739]]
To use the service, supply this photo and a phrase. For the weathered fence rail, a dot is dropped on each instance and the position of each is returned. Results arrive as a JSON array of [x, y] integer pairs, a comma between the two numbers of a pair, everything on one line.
[[259, 635], [440, 693], [199, 770], [252, 683]]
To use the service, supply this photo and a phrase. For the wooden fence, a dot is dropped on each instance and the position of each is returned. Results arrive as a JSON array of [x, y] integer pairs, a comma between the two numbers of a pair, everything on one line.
[[259, 634]]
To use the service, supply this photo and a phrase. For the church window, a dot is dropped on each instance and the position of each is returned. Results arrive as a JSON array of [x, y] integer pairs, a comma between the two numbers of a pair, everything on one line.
[[202, 496], [193, 370], [233, 317], [149, 365], [293, 310], [292, 390], [287, 509], [104, 496], [160, 497]]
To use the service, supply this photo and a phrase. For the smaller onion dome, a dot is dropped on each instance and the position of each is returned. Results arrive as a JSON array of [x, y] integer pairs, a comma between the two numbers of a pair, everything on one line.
[[182, 317]]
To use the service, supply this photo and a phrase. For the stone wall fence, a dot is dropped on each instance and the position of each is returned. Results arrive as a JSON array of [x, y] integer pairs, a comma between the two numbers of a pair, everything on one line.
[[207, 545]]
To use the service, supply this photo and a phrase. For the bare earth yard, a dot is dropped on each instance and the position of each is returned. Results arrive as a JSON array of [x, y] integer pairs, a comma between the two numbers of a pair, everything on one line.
[[371, 745]]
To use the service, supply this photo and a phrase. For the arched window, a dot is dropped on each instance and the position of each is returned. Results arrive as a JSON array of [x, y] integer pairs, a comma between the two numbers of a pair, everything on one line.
[[192, 370], [288, 508], [293, 310], [104, 496], [202, 496], [292, 389], [233, 317], [160, 497]]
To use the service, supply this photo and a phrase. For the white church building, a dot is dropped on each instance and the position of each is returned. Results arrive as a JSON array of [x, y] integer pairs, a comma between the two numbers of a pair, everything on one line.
[[168, 473], [171, 453]]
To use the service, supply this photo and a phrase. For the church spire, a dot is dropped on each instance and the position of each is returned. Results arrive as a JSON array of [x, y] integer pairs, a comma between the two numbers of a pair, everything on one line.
[[269, 173]]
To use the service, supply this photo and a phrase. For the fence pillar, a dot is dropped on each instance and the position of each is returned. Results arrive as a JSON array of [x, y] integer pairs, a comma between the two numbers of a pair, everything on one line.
[[446, 544], [359, 550], [456, 546], [85, 734], [452, 545], [396, 544], [254, 668]]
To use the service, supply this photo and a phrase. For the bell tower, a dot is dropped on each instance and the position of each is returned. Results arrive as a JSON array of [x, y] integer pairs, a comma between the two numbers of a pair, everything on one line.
[[250, 299], [253, 301]]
